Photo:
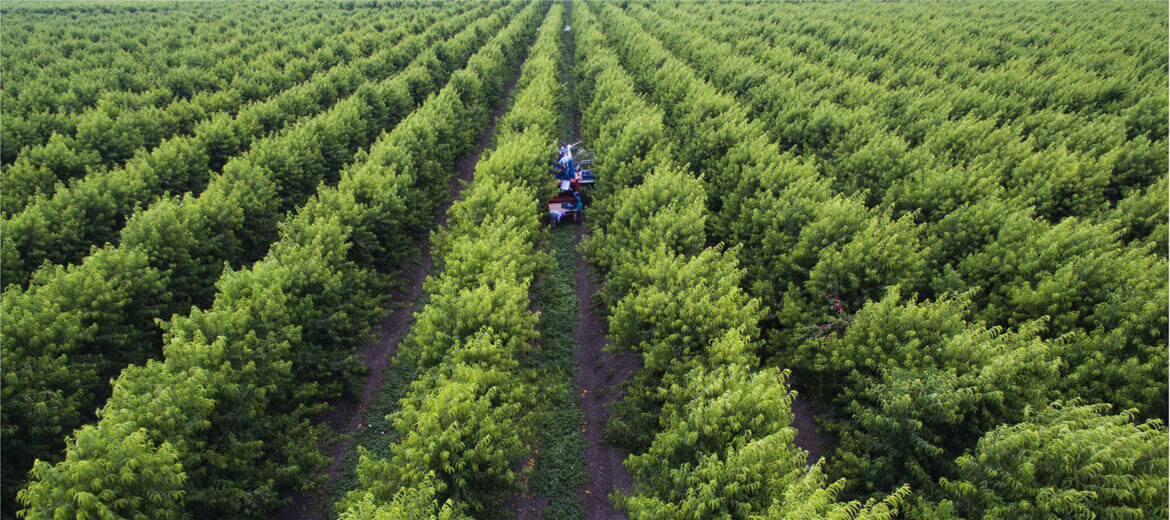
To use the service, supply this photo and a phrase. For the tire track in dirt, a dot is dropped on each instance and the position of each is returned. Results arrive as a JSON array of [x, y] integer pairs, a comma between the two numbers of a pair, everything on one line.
[[599, 380], [346, 416], [601, 373]]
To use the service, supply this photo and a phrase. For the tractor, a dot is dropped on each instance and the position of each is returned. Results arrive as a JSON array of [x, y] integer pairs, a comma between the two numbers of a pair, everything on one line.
[[571, 171]]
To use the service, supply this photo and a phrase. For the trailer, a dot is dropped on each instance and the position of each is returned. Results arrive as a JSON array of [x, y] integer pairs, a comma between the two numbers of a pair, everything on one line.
[[562, 207]]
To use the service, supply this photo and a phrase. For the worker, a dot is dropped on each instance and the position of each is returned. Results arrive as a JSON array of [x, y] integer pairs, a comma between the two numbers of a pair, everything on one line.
[[565, 169]]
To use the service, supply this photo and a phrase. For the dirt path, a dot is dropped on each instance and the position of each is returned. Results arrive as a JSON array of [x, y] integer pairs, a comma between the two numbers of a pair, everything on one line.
[[599, 380], [808, 437], [601, 373], [346, 416]]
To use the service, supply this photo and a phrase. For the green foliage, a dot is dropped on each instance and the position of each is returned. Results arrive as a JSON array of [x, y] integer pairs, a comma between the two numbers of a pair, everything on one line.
[[889, 332], [1140, 216], [959, 164], [127, 108], [520, 158], [709, 431], [1064, 461], [455, 315], [715, 411], [964, 231], [460, 428], [917, 383], [616, 119], [776, 170], [464, 424], [93, 209], [724, 436], [935, 194], [885, 253], [409, 503], [134, 480], [487, 206], [680, 306], [172, 253], [558, 464], [1111, 297], [665, 212], [1059, 184], [240, 381], [61, 346], [828, 250]]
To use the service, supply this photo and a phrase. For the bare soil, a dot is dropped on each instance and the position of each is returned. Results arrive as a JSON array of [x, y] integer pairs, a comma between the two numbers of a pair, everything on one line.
[[599, 380], [524, 504], [808, 437], [345, 418]]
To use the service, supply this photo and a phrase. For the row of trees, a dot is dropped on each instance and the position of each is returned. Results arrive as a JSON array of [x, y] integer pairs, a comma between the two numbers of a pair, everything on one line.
[[709, 429], [877, 134], [63, 228], [464, 422], [956, 262], [939, 335], [123, 125], [60, 66], [75, 327], [221, 426]]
